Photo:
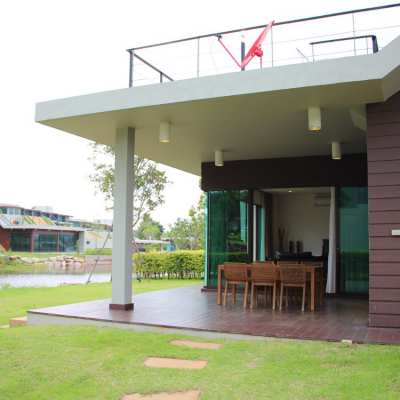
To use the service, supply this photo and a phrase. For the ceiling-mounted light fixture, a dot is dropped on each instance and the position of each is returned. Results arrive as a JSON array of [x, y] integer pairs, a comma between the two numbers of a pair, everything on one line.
[[219, 158], [336, 151], [165, 132], [314, 119]]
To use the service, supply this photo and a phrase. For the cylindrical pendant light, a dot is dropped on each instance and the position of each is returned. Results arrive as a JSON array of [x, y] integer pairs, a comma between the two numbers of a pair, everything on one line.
[[336, 151], [219, 158], [314, 119], [165, 132]]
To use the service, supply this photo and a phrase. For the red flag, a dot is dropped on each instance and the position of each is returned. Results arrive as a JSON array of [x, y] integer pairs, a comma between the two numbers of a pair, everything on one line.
[[256, 49]]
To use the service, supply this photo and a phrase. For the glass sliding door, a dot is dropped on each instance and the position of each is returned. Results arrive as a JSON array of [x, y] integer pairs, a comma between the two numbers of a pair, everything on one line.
[[227, 230], [353, 225]]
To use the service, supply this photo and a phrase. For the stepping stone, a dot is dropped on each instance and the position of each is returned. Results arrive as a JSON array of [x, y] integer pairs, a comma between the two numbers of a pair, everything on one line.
[[18, 321], [160, 362], [4, 326], [347, 341], [191, 395], [197, 345]]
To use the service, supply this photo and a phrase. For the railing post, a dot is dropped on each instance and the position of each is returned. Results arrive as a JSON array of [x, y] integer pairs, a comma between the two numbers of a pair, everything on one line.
[[375, 47], [242, 49], [272, 45], [354, 34], [198, 57], [161, 77], [131, 64]]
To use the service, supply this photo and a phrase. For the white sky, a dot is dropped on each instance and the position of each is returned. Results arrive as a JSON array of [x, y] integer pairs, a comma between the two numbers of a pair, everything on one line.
[[53, 49]]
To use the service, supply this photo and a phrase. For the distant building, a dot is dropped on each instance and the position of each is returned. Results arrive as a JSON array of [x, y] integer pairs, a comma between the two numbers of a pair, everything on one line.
[[37, 229]]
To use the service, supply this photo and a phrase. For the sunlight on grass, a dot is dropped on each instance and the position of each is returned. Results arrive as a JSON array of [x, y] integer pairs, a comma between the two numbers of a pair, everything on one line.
[[102, 363]]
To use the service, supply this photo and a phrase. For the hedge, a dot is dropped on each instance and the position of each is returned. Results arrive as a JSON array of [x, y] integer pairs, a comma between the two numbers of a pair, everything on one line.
[[177, 264]]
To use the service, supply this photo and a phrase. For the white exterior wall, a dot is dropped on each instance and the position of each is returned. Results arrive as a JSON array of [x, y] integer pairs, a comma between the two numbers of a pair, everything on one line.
[[302, 219]]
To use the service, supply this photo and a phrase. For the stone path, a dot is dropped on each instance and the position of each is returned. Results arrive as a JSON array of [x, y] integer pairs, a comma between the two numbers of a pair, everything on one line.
[[197, 345], [191, 395], [161, 362], [176, 363], [18, 321]]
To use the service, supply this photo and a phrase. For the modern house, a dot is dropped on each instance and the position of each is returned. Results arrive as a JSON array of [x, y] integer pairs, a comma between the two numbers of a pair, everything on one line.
[[37, 229], [299, 154]]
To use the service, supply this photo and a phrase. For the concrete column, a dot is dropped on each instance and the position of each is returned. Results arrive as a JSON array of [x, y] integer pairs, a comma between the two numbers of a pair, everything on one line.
[[122, 228]]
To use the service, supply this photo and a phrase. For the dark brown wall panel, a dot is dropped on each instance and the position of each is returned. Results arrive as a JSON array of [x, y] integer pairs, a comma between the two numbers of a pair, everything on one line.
[[384, 192], [383, 130], [381, 230], [384, 255], [383, 117], [286, 172], [384, 204], [389, 154], [384, 243], [384, 321], [391, 104], [383, 167], [383, 142], [384, 217], [384, 295], [384, 179], [381, 269], [384, 282], [382, 307]]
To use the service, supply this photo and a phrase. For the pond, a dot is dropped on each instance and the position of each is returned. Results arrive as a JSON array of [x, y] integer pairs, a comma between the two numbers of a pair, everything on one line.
[[51, 279]]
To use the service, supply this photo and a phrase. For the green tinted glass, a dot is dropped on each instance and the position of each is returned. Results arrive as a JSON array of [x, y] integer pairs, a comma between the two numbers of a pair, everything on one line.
[[353, 219], [227, 230]]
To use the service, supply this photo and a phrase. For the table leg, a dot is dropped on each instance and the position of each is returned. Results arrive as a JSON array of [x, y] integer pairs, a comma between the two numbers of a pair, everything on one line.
[[312, 305], [219, 286]]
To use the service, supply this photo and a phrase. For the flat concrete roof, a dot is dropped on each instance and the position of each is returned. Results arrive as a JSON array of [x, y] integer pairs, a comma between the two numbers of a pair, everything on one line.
[[250, 114]]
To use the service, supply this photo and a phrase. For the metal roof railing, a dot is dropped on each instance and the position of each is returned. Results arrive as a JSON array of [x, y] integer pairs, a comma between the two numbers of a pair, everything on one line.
[[340, 34]]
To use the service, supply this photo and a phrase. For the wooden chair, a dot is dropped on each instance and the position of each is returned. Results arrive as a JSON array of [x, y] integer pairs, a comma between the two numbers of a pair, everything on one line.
[[288, 262], [236, 274], [292, 276], [320, 281], [263, 274]]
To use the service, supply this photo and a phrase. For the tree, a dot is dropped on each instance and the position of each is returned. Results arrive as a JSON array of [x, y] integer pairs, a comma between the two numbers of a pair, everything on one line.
[[188, 233], [149, 229], [150, 181]]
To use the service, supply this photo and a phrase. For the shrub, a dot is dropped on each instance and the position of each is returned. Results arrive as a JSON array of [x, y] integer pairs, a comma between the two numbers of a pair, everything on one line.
[[178, 264]]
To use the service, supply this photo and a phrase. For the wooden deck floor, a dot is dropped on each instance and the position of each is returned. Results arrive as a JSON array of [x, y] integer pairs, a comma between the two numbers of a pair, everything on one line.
[[190, 309]]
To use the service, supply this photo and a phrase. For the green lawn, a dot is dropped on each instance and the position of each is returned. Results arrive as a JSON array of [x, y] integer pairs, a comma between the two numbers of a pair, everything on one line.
[[19, 268], [59, 363], [14, 302], [74, 363]]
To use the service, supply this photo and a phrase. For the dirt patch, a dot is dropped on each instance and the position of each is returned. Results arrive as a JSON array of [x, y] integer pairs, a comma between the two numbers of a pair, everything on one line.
[[191, 395], [158, 362], [197, 345]]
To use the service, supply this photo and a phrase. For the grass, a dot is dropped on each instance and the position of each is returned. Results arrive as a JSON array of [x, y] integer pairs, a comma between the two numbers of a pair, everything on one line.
[[65, 363], [29, 254], [20, 268], [72, 362], [14, 302]]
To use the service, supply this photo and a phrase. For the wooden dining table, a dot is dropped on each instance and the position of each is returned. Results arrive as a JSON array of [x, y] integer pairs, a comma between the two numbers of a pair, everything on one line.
[[312, 270]]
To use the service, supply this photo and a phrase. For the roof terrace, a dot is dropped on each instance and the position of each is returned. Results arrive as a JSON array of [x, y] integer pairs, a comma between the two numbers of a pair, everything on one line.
[[304, 40]]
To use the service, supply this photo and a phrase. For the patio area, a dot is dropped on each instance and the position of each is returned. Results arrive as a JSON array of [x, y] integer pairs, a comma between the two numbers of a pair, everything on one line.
[[193, 311]]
